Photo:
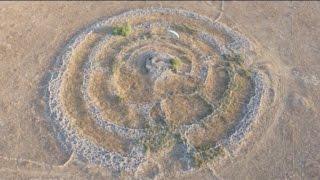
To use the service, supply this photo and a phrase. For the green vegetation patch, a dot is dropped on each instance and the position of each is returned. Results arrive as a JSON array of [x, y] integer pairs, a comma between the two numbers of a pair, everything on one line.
[[123, 30], [175, 63]]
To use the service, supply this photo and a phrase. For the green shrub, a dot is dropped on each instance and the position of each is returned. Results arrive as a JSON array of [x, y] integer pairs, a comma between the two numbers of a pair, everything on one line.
[[175, 63], [123, 30]]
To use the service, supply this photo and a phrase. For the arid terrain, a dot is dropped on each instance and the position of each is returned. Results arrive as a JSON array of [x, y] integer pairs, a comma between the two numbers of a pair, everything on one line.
[[160, 90]]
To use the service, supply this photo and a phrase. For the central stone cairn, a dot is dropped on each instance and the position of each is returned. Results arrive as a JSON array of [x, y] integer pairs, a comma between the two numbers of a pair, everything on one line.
[[156, 64], [122, 98]]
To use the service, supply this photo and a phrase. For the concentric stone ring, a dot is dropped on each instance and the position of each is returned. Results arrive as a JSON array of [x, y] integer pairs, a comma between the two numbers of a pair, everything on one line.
[[176, 82]]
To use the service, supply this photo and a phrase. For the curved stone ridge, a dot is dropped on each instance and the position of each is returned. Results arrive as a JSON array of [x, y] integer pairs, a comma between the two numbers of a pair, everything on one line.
[[179, 82]]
